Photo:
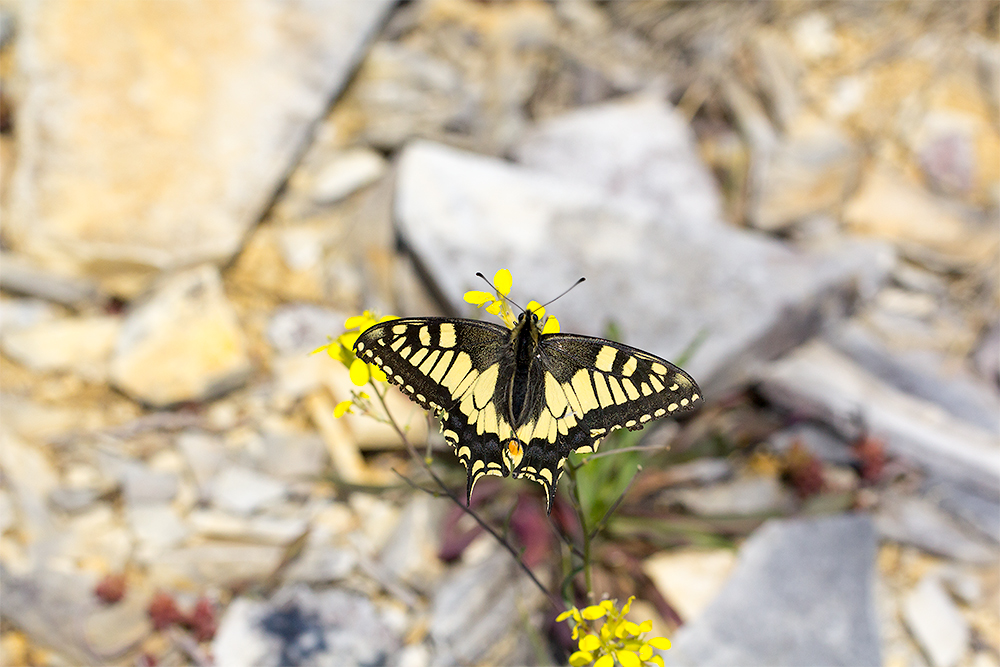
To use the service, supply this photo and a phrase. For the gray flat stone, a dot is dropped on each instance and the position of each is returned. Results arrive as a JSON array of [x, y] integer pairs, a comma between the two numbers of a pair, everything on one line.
[[49, 607], [143, 485], [411, 551], [802, 593], [705, 470], [919, 522], [981, 514], [156, 528], [817, 381], [243, 490], [663, 281], [961, 394], [475, 614], [747, 496], [294, 455], [640, 148], [321, 562], [205, 455]]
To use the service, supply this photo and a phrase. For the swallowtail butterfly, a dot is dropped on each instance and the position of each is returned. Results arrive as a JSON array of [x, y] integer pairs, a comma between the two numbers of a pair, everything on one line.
[[517, 401]]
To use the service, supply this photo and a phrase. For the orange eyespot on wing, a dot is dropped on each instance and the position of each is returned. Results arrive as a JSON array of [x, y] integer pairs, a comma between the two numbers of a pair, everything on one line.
[[514, 447]]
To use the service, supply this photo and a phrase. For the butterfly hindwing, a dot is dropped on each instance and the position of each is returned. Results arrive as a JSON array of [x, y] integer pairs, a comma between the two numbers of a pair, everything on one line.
[[451, 367]]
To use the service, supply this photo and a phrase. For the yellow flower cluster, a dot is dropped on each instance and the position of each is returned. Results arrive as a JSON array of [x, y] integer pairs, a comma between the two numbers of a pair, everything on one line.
[[342, 349], [618, 641], [499, 304]]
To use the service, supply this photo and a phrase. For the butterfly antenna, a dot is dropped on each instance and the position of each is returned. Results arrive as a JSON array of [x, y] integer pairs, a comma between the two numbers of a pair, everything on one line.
[[478, 273], [564, 293]]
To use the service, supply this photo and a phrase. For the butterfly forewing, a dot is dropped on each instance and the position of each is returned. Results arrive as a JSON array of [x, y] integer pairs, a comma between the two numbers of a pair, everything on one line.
[[452, 368]]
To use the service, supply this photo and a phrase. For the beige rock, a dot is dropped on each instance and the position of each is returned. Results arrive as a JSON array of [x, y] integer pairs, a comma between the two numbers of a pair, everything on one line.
[[153, 135], [215, 563], [690, 579], [467, 74], [183, 344], [808, 172], [347, 172], [813, 36], [959, 116], [80, 345], [28, 472], [41, 423], [889, 206], [369, 433], [936, 623], [96, 538], [272, 263], [113, 629]]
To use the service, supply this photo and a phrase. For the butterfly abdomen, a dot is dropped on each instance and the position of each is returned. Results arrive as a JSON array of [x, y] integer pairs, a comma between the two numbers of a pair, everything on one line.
[[525, 346]]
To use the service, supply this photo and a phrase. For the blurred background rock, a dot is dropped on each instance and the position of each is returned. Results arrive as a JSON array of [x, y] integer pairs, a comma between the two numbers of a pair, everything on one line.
[[801, 196]]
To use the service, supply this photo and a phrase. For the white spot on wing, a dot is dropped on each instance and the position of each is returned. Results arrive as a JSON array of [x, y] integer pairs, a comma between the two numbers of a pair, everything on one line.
[[603, 393], [585, 390], [447, 335], [606, 358], [485, 386], [442, 366]]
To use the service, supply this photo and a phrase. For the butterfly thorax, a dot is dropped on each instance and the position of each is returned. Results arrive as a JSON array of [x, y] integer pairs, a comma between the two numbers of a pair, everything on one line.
[[524, 339]]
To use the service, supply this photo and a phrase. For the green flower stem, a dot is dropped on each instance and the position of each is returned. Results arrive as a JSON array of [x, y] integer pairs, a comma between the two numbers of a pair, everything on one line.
[[614, 506], [555, 601], [587, 573]]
